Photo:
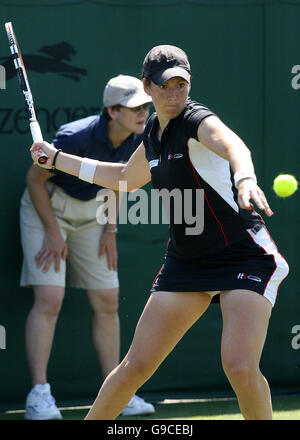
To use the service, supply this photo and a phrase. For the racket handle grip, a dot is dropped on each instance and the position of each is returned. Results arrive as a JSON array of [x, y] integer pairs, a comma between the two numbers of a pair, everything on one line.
[[38, 137]]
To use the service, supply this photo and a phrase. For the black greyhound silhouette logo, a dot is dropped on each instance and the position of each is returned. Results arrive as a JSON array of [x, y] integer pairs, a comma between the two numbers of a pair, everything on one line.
[[55, 60]]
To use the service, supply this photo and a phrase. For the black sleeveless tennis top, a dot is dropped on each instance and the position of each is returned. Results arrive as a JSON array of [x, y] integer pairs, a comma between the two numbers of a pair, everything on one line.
[[182, 166]]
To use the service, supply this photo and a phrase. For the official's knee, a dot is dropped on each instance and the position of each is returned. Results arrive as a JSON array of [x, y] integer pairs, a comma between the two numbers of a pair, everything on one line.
[[105, 302], [49, 305], [111, 304]]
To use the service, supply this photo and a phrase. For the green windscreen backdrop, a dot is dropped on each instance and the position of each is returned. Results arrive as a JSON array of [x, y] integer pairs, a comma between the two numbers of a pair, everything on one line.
[[245, 58]]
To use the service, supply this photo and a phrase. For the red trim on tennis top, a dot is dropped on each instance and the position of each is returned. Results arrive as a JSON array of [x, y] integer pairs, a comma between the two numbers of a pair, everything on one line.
[[209, 205], [158, 273]]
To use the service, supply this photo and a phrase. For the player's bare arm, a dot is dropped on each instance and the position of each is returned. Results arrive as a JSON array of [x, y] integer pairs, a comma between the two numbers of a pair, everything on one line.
[[219, 138], [216, 136], [135, 173]]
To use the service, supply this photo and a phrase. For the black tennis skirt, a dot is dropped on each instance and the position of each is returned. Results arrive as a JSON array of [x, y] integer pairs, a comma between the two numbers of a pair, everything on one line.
[[252, 264]]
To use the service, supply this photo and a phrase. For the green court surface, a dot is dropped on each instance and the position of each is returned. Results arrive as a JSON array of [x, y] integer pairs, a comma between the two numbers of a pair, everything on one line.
[[284, 408]]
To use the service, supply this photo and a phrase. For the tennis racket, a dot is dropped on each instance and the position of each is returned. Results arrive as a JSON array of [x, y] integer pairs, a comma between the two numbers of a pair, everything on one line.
[[23, 80]]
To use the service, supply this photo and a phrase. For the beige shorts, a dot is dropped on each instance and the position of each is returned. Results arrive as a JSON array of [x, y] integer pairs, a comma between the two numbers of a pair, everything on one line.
[[77, 220]]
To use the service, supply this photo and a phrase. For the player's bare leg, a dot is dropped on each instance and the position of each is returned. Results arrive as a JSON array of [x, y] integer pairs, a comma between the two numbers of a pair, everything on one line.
[[39, 329], [165, 319], [105, 327], [245, 322]]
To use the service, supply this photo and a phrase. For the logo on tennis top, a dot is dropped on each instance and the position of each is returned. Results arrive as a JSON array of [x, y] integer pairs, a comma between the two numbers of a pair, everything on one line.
[[175, 156], [54, 59], [245, 276]]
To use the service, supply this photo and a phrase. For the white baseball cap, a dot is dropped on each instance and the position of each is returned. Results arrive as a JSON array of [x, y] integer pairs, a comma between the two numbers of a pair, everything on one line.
[[125, 90]]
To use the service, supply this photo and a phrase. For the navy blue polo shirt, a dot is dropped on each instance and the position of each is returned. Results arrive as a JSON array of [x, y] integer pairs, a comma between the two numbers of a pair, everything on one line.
[[180, 161], [87, 137]]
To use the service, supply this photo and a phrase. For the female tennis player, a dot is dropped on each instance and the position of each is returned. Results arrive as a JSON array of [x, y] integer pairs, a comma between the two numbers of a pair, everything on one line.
[[233, 261]]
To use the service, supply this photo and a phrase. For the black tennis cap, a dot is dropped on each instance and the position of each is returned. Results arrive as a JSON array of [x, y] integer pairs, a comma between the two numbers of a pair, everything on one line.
[[164, 62]]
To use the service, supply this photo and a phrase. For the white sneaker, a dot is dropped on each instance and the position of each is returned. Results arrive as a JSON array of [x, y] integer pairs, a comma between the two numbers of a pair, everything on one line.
[[40, 404], [137, 407]]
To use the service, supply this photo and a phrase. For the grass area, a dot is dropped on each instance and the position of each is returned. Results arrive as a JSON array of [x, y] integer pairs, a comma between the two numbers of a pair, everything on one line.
[[285, 408]]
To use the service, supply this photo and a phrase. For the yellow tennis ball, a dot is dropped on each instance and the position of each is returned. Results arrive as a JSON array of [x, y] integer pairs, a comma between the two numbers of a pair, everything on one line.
[[285, 185]]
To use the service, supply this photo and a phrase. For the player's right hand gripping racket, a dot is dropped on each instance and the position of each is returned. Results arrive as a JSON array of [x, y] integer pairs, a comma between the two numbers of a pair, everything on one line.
[[22, 76]]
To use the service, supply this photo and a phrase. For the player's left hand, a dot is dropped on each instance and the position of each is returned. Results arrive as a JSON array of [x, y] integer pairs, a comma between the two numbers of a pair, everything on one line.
[[248, 190], [108, 245]]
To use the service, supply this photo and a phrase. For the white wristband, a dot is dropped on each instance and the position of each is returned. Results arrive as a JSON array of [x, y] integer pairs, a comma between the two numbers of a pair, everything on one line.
[[241, 175], [87, 170]]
